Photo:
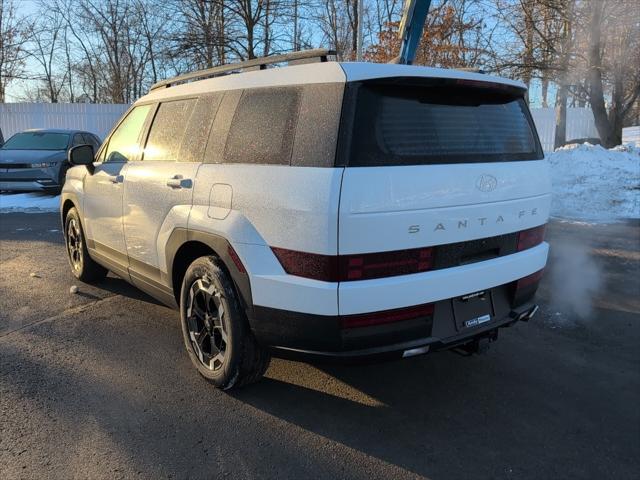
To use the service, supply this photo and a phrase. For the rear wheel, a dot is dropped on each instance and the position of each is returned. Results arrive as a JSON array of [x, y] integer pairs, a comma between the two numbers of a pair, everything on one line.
[[215, 329], [82, 265]]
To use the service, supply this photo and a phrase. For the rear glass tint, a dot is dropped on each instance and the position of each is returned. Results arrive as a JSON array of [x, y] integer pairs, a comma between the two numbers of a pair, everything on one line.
[[421, 125], [263, 127]]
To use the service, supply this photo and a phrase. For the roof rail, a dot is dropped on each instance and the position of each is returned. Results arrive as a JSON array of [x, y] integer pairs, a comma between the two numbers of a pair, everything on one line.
[[305, 56], [470, 69]]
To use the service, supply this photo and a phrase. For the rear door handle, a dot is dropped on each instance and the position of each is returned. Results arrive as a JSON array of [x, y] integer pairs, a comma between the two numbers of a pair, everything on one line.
[[116, 178], [178, 181]]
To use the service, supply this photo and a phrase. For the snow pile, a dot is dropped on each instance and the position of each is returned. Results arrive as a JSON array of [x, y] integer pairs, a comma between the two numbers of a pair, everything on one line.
[[595, 184], [29, 202]]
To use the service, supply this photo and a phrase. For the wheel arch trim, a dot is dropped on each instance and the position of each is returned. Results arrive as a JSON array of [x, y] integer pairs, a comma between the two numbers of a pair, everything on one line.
[[181, 237]]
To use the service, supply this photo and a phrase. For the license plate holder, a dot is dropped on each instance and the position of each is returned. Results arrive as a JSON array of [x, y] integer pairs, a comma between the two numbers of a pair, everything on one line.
[[473, 310]]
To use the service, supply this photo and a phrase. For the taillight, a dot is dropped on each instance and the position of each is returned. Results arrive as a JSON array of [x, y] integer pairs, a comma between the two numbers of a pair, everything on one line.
[[387, 316], [385, 264], [525, 288], [529, 280], [531, 237], [365, 266], [308, 265]]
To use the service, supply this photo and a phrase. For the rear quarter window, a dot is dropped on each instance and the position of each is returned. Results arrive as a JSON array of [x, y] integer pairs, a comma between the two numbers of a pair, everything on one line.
[[434, 124], [263, 126]]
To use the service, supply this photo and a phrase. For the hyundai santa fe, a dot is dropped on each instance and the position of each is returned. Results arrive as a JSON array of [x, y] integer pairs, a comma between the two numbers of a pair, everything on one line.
[[321, 210]]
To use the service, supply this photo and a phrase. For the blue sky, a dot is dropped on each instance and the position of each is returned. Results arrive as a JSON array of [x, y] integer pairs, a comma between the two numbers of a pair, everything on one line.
[[16, 90]]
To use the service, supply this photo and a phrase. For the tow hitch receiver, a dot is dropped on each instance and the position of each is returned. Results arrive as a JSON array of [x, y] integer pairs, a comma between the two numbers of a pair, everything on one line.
[[478, 345]]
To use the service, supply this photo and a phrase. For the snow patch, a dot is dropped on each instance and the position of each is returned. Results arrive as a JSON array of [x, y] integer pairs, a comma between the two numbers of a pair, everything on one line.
[[591, 183], [29, 203]]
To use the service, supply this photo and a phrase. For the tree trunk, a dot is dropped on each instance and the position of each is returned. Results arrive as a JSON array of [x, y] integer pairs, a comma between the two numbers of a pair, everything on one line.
[[527, 74], [596, 90], [561, 115], [354, 29]]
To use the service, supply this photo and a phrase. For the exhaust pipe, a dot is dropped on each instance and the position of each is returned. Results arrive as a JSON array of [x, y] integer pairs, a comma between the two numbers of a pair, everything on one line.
[[532, 313], [526, 315]]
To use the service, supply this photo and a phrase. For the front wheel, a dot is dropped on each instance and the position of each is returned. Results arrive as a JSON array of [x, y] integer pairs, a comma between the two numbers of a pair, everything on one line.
[[215, 329], [82, 265]]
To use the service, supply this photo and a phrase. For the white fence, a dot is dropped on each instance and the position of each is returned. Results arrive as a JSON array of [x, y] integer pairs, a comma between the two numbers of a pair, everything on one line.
[[95, 118], [580, 124], [631, 135], [99, 119]]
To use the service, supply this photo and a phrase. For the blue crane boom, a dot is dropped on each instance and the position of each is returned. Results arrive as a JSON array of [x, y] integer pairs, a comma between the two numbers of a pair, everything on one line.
[[414, 17]]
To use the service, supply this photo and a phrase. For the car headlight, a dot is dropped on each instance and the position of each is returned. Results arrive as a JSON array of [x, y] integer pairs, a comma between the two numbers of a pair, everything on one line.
[[44, 164]]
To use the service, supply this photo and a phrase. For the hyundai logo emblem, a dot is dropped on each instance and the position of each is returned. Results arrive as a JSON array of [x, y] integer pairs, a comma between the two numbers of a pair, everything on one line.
[[486, 183]]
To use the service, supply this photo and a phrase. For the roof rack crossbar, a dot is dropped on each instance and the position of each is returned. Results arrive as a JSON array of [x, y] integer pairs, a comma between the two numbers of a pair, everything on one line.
[[261, 63]]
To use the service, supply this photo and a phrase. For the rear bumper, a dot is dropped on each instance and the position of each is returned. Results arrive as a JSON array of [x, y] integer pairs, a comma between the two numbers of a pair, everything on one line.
[[420, 346], [272, 288], [294, 334]]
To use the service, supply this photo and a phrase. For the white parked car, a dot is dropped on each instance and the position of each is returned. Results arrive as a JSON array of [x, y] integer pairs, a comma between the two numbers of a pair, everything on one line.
[[324, 209]]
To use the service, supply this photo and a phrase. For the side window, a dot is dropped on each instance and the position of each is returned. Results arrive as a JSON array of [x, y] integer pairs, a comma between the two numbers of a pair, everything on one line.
[[168, 129], [90, 140], [124, 144], [195, 141], [78, 139], [318, 125], [263, 127]]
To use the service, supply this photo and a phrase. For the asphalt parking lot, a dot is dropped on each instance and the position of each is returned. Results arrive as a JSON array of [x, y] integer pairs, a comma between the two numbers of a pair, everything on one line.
[[97, 384]]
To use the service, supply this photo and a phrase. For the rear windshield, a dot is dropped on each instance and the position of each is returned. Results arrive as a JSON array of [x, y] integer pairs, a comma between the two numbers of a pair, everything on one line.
[[421, 125], [37, 141]]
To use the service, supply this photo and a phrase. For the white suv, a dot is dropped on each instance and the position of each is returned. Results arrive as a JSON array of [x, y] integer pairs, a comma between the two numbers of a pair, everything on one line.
[[324, 209]]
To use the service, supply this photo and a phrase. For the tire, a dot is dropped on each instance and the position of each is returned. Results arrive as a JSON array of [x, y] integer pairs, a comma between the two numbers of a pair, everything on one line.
[[82, 265], [215, 329]]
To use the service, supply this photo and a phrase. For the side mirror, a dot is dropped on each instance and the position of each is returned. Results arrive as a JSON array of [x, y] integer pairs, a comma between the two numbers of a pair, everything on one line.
[[82, 155]]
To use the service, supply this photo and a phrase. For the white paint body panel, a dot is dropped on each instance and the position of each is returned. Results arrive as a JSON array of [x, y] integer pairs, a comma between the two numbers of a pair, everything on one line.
[[402, 291], [395, 208], [152, 209], [325, 72], [278, 206], [365, 71], [379, 205], [272, 287], [328, 72], [102, 207], [275, 206]]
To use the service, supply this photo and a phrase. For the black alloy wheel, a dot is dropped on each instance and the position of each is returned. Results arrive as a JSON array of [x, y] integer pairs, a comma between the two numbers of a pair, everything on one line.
[[206, 324], [74, 244]]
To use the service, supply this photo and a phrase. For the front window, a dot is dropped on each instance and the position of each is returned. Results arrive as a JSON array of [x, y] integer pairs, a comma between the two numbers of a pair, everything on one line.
[[124, 144], [37, 141]]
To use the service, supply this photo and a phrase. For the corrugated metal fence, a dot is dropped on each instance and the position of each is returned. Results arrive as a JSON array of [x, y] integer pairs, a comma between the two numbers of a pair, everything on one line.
[[580, 124], [631, 135], [95, 118], [99, 119]]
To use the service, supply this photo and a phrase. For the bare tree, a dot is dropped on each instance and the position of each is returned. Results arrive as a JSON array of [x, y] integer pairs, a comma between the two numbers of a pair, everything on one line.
[[46, 39], [613, 59], [201, 32], [12, 45]]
